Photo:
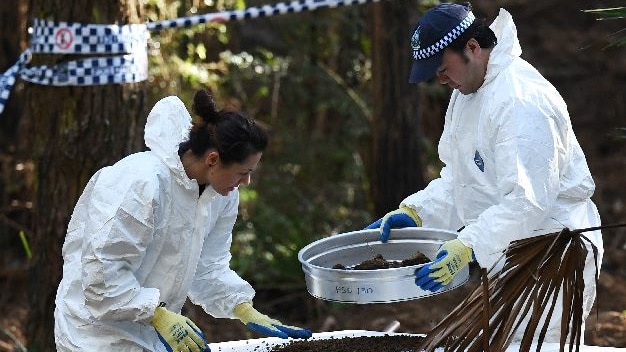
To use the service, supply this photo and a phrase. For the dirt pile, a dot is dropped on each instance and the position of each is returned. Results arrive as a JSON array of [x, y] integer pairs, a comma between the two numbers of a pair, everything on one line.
[[379, 262], [386, 343]]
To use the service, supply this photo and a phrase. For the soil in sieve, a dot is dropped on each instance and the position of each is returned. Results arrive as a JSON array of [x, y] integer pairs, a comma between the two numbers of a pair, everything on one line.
[[383, 343], [379, 262]]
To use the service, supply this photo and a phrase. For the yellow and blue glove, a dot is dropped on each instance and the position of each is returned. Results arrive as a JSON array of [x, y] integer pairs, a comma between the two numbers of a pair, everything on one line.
[[266, 325], [451, 257], [399, 218], [177, 332]]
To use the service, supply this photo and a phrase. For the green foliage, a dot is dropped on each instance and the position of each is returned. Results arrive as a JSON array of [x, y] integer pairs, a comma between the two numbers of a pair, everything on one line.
[[609, 13], [311, 182], [182, 60], [25, 244], [612, 14]]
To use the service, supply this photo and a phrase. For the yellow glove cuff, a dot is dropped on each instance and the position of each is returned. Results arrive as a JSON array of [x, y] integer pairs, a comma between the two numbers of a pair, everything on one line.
[[159, 312], [244, 312], [466, 251], [247, 314], [458, 256], [412, 214]]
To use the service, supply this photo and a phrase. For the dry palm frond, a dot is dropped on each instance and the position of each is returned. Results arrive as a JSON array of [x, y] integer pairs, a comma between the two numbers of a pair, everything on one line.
[[535, 271]]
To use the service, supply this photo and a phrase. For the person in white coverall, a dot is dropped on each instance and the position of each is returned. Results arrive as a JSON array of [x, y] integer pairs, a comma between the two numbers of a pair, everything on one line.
[[513, 167], [156, 228]]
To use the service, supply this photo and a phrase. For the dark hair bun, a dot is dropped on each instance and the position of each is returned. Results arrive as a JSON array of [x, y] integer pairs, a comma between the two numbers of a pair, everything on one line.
[[204, 106]]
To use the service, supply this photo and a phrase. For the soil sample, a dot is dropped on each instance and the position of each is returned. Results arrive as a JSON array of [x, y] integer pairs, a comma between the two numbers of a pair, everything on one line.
[[383, 343], [379, 262]]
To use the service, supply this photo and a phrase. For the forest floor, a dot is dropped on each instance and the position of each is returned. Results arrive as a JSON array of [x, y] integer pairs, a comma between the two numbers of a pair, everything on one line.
[[605, 326]]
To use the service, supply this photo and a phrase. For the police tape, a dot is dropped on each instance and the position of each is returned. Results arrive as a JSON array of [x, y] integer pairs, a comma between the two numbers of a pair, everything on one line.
[[91, 71], [254, 12], [123, 56], [125, 46], [77, 38]]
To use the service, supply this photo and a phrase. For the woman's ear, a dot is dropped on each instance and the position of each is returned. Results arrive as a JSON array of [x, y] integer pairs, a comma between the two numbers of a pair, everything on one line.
[[212, 158]]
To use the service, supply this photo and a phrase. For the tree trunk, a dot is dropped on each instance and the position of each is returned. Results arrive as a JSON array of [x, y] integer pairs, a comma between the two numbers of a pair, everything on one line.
[[12, 43], [72, 132], [395, 169]]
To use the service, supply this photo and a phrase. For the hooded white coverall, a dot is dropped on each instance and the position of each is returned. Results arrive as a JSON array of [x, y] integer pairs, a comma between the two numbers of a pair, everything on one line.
[[513, 167], [140, 234]]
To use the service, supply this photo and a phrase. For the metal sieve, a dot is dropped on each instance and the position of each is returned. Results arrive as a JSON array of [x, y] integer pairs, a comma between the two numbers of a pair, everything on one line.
[[371, 286]]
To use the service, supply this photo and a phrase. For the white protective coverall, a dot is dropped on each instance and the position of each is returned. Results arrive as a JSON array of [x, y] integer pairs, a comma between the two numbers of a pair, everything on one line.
[[513, 167], [141, 234]]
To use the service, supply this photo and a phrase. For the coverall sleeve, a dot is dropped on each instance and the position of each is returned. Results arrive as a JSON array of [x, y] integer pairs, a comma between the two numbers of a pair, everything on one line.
[[216, 287], [118, 229], [530, 149]]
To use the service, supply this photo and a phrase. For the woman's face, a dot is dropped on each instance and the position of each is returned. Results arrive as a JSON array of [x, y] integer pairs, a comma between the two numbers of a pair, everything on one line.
[[225, 178]]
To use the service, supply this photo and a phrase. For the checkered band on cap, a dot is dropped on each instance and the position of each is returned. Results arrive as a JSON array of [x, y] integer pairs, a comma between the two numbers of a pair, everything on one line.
[[419, 54]]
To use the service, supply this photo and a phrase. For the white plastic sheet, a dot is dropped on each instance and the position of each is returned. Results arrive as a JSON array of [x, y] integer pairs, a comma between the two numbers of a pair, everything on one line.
[[265, 344]]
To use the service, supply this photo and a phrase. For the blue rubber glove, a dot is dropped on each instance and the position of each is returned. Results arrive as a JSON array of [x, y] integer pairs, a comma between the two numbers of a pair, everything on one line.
[[177, 332], [266, 325], [403, 217], [451, 257]]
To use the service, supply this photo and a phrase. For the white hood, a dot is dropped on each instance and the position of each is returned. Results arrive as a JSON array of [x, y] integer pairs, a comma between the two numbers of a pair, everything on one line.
[[508, 47], [167, 126]]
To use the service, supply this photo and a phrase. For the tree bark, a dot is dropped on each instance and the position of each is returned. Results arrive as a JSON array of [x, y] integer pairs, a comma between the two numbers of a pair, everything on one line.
[[395, 169], [12, 43], [71, 133]]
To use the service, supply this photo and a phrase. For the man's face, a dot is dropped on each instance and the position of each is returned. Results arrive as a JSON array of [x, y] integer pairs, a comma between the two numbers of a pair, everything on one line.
[[463, 71]]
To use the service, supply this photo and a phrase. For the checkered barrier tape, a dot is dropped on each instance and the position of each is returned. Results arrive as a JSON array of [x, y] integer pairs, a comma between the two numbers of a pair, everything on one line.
[[77, 38], [7, 80], [125, 46], [123, 56], [254, 12], [91, 71]]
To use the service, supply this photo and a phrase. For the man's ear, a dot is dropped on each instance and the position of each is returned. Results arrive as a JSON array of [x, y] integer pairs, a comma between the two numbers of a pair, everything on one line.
[[473, 46], [212, 158]]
